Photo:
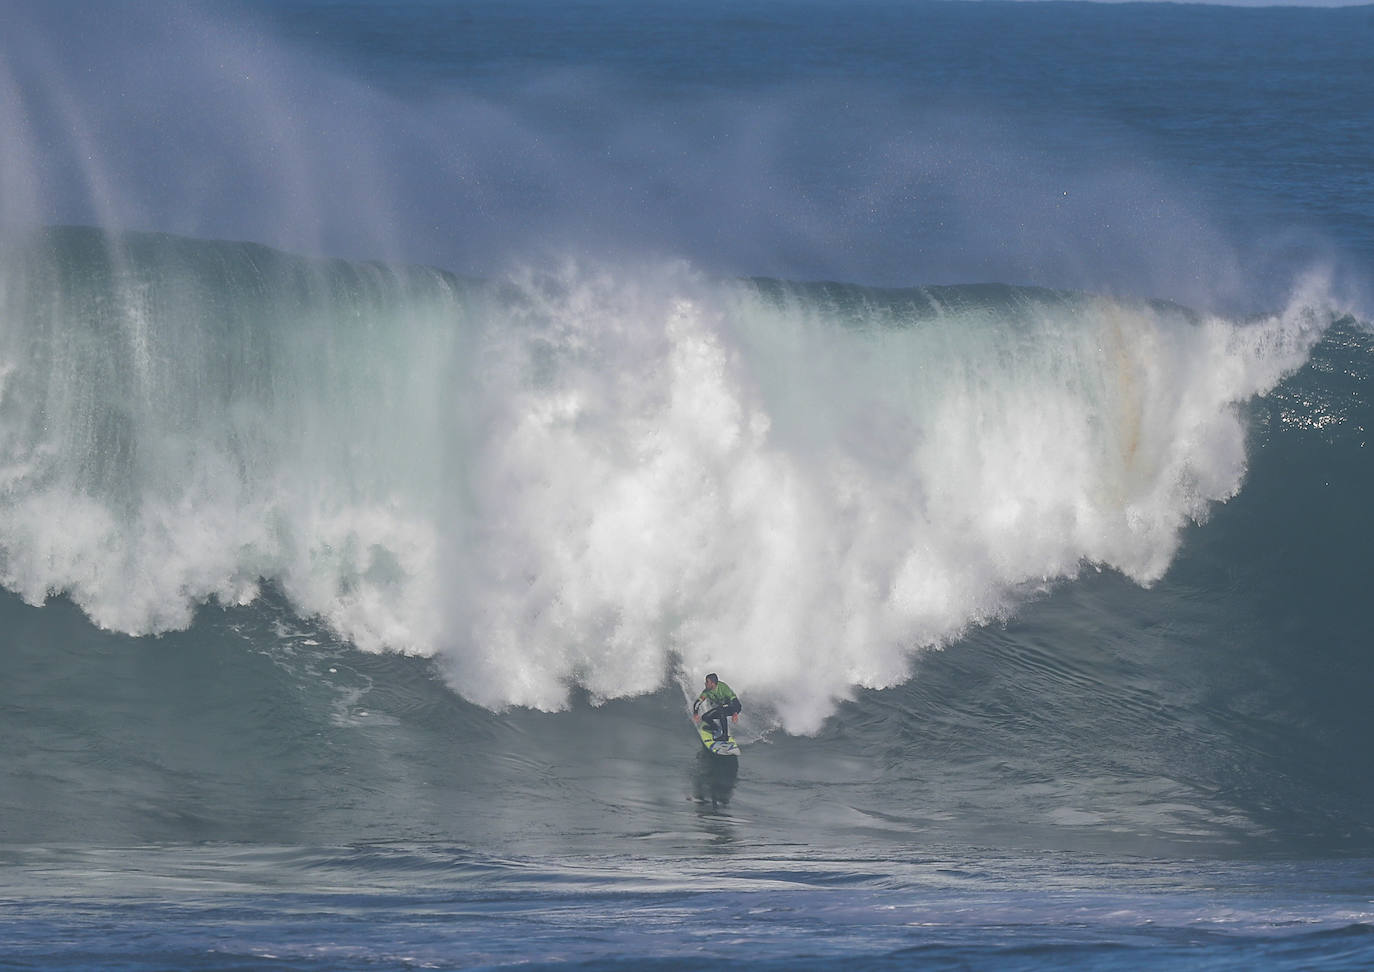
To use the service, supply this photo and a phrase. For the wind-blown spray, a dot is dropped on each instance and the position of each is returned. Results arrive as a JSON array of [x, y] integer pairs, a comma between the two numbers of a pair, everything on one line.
[[596, 476]]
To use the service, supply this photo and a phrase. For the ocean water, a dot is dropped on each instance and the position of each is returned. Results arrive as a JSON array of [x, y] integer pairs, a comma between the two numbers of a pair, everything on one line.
[[404, 405]]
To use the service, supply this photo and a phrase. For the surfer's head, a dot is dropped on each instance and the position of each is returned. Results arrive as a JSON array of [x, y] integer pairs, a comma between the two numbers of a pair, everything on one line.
[[711, 680]]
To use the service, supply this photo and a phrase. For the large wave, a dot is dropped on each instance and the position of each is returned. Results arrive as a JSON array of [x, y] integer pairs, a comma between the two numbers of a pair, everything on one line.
[[605, 476]]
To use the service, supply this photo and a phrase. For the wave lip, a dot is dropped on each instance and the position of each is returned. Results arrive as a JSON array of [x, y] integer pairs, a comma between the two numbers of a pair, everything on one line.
[[599, 476]]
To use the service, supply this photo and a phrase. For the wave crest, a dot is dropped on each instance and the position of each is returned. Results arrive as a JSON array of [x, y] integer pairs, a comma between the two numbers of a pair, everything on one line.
[[599, 477]]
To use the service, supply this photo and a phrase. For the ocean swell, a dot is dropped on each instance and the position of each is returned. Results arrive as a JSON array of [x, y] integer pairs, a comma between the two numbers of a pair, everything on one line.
[[609, 477]]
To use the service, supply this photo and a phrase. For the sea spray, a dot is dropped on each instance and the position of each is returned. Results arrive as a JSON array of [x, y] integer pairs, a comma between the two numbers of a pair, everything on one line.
[[599, 476], [181, 420]]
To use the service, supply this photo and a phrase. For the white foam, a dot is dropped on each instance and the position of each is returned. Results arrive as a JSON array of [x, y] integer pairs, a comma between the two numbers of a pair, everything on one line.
[[703, 477], [600, 476]]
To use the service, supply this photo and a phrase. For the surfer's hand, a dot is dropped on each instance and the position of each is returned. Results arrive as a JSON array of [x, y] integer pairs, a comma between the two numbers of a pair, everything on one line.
[[735, 717]]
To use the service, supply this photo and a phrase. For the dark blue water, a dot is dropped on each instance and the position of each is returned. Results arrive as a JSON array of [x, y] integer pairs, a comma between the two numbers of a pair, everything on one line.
[[403, 406]]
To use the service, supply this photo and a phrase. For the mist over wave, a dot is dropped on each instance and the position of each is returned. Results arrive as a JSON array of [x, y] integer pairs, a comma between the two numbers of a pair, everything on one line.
[[630, 451], [404, 404], [453, 150], [599, 476]]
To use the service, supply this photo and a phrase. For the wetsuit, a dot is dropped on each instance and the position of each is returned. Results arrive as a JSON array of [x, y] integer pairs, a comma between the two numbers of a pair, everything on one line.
[[723, 703]]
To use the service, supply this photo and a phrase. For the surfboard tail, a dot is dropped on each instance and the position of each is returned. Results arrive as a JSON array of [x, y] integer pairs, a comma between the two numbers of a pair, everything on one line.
[[718, 747]]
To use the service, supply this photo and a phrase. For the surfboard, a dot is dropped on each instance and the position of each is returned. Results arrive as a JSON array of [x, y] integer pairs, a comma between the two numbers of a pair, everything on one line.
[[716, 747]]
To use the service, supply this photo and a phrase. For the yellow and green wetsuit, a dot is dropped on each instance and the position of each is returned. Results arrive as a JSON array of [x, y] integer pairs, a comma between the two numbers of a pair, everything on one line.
[[720, 695], [723, 703]]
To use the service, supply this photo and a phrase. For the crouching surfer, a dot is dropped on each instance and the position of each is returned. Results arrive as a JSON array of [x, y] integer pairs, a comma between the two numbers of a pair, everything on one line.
[[722, 703]]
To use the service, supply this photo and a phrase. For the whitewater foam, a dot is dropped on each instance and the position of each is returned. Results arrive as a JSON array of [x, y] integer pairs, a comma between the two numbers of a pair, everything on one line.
[[602, 477]]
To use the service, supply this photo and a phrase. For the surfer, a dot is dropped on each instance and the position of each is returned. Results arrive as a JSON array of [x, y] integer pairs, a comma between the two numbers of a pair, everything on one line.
[[724, 702]]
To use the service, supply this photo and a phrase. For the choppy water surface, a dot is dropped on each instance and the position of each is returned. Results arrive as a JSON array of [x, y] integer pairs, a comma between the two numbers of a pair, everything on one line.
[[404, 406]]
